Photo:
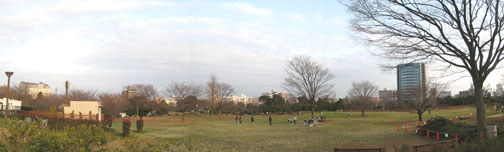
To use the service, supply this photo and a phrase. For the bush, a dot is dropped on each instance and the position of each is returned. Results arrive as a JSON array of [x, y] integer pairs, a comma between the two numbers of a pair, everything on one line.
[[32, 137], [443, 125], [126, 127], [139, 124]]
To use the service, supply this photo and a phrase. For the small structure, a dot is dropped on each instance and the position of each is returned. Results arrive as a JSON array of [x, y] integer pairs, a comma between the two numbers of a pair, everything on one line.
[[14, 105], [93, 107]]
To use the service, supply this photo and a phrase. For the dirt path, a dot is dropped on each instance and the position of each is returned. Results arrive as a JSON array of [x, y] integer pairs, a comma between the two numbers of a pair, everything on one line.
[[495, 116]]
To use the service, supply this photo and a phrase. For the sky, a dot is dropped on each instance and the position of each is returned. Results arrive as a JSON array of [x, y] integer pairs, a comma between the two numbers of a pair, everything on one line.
[[108, 44]]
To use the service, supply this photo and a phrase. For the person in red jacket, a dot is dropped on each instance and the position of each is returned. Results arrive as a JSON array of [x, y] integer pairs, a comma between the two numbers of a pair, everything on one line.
[[236, 119]]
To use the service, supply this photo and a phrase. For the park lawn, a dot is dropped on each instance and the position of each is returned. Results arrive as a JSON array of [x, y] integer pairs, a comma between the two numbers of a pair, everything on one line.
[[214, 133]]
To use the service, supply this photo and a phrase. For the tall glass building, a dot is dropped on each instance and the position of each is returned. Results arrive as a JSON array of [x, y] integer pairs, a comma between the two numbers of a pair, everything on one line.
[[411, 82]]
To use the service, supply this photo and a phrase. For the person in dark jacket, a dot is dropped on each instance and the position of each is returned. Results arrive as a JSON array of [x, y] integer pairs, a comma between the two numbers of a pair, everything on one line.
[[252, 119], [270, 120]]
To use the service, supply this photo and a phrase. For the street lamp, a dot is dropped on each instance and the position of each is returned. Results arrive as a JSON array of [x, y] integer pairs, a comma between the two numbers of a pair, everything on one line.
[[9, 74]]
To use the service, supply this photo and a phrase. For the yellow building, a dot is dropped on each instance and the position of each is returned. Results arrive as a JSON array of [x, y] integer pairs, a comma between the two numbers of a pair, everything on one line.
[[33, 89], [84, 107]]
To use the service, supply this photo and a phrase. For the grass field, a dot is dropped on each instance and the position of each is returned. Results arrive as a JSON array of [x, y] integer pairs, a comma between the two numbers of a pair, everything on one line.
[[214, 133]]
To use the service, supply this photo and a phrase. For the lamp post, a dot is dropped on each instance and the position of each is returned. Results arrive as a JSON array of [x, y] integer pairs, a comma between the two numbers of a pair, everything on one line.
[[9, 74]]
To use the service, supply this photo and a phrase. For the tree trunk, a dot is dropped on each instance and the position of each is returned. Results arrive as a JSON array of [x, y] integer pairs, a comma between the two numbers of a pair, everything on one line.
[[363, 113], [312, 107], [137, 109], [480, 106], [419, 116]]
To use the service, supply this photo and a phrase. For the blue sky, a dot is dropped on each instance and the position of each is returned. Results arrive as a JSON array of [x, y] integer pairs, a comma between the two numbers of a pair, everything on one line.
[[108, 44]]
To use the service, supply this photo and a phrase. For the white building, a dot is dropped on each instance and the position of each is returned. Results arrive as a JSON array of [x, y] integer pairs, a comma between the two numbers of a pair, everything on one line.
[[33, 89], [84, 107], [499, 91], [171, 100], [288, 97], [13, 104], [242, 98]]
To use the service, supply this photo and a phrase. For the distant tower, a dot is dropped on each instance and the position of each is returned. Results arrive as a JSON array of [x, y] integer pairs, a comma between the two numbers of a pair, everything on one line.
[[411, 82]]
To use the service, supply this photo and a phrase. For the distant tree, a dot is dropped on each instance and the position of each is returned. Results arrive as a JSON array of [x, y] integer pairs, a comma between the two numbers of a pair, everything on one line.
[[308, 78], [149, 92], [212, 91], [423, 100], [181, 90], [340, 104], [361, 95], [82, 95], [225, 90], [111, 104]]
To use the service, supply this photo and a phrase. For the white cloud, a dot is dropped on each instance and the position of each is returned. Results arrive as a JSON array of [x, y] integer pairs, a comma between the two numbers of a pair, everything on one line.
[[102, 6], [250, 9], [296, 17]]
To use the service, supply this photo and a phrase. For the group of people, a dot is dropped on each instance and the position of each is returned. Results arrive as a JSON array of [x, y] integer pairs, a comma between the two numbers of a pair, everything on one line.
[[292, 120], [310, 122]]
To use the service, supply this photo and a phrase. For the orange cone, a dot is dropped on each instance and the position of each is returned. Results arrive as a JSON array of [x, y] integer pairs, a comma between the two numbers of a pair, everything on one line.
[[456, 136], [427, 134], [437, 136], [407, 127], [398, 128]]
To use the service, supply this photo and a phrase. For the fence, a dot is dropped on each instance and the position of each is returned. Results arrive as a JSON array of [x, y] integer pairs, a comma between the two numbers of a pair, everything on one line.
[[428, 147]]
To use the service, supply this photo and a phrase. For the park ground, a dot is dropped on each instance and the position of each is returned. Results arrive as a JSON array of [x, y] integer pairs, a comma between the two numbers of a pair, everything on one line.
[[221, 133]]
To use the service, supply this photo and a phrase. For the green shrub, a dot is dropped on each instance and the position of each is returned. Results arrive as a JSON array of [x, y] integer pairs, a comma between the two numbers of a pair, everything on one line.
[[443, 125], [32, 137]]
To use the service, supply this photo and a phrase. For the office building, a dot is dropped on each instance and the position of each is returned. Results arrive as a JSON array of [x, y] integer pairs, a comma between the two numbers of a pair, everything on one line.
[[411, 82]]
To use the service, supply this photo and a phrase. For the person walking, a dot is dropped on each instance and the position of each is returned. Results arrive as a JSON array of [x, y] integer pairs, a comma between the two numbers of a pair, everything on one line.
[[270, 120], [252, 119], [236, 119], [295, 119], [240, 119]]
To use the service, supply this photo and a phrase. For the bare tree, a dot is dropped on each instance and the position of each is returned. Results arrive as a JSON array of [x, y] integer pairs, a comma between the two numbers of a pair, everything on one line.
[[225, 90], [361, 95], [212, 91], [111, 103], [82, 95], [181, 90], [423, 99], [147, 94], [308, 78], [463, 34]]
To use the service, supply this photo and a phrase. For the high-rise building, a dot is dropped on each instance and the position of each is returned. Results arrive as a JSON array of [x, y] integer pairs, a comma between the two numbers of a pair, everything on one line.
[[411, 82], [33, 89]]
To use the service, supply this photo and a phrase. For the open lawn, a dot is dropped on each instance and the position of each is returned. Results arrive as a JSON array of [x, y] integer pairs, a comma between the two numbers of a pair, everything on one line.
[[214, 133]]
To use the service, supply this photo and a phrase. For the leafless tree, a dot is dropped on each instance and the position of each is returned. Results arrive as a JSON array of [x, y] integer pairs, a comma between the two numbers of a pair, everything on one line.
[[423, 99], [82, 95], [181, 90], [147, 94], [111, 103], [463, 34], [308, 78], [361, 95], [212, 91], [225, 90]]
